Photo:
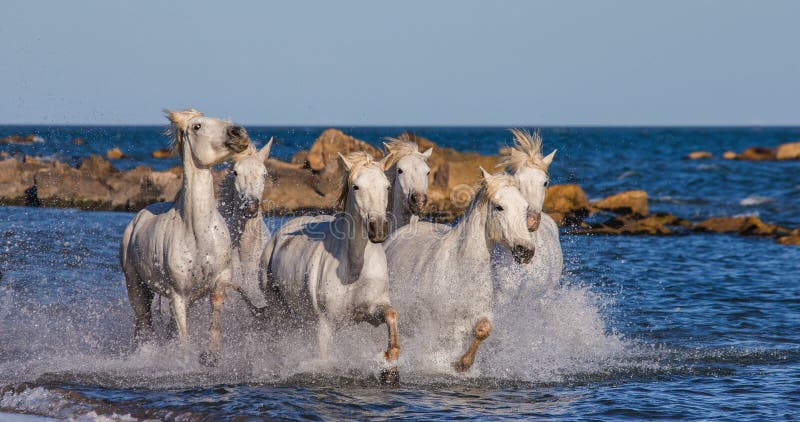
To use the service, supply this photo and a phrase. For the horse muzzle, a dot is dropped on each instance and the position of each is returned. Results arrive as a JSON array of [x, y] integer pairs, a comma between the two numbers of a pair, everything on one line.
[[522, 254], [417, 202], [251, 207], [534, 218], [238, 139], [377, 230]]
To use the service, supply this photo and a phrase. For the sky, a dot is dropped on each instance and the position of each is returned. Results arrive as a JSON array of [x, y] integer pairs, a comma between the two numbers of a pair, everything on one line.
[[417, 62]]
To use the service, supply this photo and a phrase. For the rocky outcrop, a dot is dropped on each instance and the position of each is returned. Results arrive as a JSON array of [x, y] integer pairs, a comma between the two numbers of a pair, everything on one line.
[[629, 202], [747, 226], [790, 151], [163, 153], [698, 155], [19, 139], [115, 154], [567, 204], [792, 239], [333, 141]]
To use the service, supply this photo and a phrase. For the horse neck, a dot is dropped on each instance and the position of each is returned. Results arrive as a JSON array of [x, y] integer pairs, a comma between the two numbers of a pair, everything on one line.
[[196, 202], [353, 248], [473, 245], [399, 215], [250, 239]]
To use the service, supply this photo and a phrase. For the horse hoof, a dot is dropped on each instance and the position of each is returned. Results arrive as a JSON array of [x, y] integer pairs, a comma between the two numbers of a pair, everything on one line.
[[461, 367], [209, 359], [390, 376]]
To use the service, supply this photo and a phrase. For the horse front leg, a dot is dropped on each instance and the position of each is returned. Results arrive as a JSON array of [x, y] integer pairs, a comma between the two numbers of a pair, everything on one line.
[[385, 314], [211, 356], [482, 330]]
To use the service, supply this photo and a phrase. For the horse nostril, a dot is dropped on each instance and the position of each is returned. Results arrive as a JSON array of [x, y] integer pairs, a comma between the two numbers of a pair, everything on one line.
[[235, 131], [533, 221]]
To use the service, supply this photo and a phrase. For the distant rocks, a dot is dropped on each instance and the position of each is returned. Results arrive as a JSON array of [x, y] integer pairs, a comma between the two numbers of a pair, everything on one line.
[[567, 204], [115, 154], [334, 141], [163, 153], [632, 202], [698, 155], [22, 140], [788, 151]]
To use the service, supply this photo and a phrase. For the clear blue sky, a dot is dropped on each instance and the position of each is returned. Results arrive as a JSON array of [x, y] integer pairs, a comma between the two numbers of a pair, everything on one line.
[[403, 63]]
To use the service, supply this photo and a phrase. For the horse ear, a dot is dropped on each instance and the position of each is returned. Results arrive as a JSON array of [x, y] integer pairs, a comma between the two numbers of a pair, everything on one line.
[[180, 119], [264, 152], [347, 164], [549, 159], [427, 153], [385, 160], [485, 174]]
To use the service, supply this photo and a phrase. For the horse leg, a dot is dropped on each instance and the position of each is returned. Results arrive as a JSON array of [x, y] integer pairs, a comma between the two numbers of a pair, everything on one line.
[[179, 305], [385, 314], [482, 330], [141, 299], [212, 355]]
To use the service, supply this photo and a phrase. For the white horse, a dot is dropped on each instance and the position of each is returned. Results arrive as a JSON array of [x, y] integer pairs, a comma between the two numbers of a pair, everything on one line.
[[526, 163], [407, 170], [240, 206], [331, 270], [441, 278], [181, 250]]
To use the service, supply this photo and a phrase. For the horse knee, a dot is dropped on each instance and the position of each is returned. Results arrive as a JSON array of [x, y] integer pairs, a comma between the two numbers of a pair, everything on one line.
[[482, 329], [390, 315]]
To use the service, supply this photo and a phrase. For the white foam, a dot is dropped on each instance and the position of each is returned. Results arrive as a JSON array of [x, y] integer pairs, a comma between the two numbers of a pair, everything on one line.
[[754, 200]]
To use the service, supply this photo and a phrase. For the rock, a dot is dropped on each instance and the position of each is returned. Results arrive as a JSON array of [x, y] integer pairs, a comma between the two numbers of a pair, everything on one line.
[[115, 154], [567, 204], [97, 167], [11, 188], [291, 188], [698, 155], [748, 226], [629, 225], [729, 155], [300, 157], [629, 202], [667, 219], [333, 141], [19, 139], [792, 239], [757, 154], [163, 153], [790, 151], [60, 185], [77, 141]]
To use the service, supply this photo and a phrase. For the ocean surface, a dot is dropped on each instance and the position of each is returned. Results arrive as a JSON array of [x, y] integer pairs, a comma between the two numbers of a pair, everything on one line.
[[690, 326]]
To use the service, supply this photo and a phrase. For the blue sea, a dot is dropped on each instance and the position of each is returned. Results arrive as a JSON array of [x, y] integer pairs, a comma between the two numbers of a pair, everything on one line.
[[689, 326]]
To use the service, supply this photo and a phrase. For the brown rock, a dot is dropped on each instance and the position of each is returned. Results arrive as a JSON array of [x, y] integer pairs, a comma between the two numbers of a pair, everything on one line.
[[567, 204], [19, 139], [629, 225], [300, 157], [790, 151], [163, 153], [628, 202], [77, 141], [291, 188], [748, 226], [333, 141], [97, 167], [729, 155], [11, 187], [698, 155], [667, 219], [757, 154], [60, 185], [792, 239], [115, 154]]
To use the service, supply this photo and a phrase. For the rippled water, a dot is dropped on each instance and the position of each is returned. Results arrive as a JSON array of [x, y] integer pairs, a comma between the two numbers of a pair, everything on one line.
[[694, 326]]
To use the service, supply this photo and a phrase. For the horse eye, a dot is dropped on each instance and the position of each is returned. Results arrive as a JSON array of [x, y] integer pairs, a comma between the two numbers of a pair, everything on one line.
[[429, 172], [196, 126], [399, 171], [235, 173], [546, 183], [355, 187], [498, 208]]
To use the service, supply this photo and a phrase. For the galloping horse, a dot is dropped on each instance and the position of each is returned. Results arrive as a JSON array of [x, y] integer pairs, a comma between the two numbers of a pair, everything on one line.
[[331, 270], [526, 163], [182, 250], [441, 278], [407, 170]]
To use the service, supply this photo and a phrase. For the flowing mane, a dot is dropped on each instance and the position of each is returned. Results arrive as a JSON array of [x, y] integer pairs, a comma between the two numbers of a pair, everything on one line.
[[398, 148], [488, 187], [527, 150], [179, 122]]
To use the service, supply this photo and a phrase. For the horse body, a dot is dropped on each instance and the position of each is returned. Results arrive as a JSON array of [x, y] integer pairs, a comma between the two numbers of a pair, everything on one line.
[[529, 167], [330, 270], [441, 275], [182, 250]]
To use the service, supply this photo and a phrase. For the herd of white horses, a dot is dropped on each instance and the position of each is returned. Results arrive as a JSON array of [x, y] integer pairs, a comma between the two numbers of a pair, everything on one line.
[[330, 271]]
